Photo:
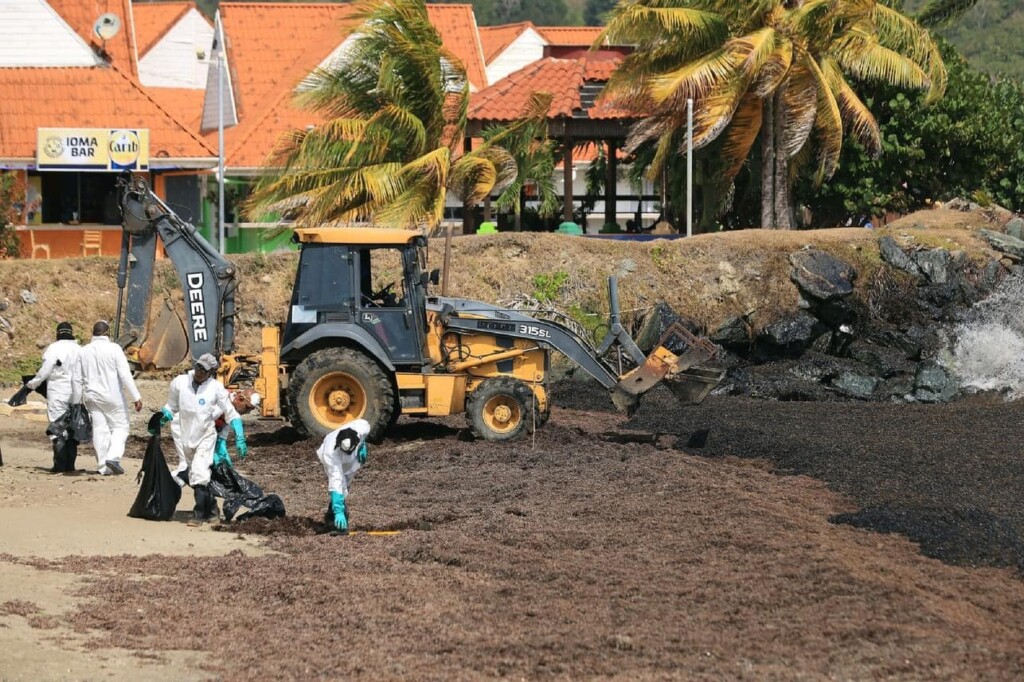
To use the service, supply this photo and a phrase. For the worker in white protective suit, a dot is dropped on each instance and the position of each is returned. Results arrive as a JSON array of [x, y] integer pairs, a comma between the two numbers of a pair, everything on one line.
[[100, 379], [342, 452], [244, 402], [197, 400], [59, 361]]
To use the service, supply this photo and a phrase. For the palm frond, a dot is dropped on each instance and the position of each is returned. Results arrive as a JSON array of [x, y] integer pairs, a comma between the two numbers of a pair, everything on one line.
[[828, 125], [857, 118], [739, 139], [942, 13], [799, 107], [865, 59], [634, 23]]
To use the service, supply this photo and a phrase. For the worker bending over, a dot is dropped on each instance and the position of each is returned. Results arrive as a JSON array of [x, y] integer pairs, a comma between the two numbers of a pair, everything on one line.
[[197, 400], [342, 452]]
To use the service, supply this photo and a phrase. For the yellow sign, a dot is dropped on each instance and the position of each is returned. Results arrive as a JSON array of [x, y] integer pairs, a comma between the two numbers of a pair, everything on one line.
[[92, 149]]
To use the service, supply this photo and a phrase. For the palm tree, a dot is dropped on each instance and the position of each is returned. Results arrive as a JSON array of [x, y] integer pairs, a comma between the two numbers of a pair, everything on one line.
[[388, 150], [777, 69], [526, 141]]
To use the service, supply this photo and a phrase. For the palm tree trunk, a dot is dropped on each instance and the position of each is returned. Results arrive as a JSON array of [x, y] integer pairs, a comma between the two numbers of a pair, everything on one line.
[[768, 164], [783, 209]]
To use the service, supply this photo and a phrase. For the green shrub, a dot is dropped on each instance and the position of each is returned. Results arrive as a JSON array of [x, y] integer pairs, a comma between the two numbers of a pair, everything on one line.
[[547, 287]]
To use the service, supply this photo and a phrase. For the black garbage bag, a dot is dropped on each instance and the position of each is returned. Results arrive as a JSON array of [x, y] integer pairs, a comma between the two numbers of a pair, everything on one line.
[[238, 491], [65, 447], [21, 396], [79, 423], [159, 494]]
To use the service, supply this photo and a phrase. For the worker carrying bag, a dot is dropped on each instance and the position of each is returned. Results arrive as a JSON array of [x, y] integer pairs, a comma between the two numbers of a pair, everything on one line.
[[159, 494]]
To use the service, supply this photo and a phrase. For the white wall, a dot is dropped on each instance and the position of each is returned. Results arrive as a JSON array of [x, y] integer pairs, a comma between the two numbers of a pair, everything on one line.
[[32, 34], [175, 61], [524, 50]]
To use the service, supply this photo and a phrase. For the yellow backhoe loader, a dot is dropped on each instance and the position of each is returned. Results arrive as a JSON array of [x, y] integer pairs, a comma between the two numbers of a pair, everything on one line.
[[353, 348]]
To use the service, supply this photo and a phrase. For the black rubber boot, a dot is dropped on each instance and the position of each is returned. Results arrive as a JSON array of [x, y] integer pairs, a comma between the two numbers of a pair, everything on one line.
[[201, 510]]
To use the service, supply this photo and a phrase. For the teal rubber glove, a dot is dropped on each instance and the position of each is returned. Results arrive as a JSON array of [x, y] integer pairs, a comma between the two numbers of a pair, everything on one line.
[[240, 444], [361, 454], [340, 512], [159, 419], [220, 453]]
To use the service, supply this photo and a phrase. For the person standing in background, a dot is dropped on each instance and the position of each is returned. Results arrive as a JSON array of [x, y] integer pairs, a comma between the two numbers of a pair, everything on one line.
[[99, 381]]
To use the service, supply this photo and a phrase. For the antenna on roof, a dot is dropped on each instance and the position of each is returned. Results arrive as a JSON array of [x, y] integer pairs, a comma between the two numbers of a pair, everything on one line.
[[107, 26]]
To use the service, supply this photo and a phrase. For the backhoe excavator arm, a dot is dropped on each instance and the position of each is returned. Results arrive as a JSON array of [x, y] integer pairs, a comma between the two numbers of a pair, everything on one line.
[[207, 281]]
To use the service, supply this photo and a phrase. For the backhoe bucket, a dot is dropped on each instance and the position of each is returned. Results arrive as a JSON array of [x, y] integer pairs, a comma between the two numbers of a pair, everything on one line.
[[167, 342], [688, 383]]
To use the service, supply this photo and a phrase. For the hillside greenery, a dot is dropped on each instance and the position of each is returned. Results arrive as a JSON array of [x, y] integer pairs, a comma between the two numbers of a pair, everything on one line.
[[988, 35]]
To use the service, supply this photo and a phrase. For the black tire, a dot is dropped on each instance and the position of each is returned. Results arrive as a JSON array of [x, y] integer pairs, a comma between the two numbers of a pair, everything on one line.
[[501, 409], [343, 372]]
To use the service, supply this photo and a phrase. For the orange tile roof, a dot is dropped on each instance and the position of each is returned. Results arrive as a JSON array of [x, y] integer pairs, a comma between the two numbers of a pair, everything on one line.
[[273, 46], [563, 78], [457, 27], [154, 19], [495, 39], [185, 104], [80, 15], [100, 97], [581, 36]]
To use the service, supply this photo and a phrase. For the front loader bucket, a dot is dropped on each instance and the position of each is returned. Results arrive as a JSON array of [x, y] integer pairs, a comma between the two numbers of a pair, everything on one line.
[[690, 384], [693, 385], [167, 342]]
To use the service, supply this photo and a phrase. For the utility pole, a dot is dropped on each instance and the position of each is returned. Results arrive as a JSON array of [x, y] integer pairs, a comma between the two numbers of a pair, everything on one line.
[[221, 62], [689, 167]]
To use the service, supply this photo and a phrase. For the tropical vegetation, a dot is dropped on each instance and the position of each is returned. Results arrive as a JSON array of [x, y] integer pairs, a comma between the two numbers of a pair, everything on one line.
[[389, 148], [782, 71]]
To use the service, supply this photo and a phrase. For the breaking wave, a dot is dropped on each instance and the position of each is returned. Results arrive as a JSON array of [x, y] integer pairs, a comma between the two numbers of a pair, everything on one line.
[[988, 348]]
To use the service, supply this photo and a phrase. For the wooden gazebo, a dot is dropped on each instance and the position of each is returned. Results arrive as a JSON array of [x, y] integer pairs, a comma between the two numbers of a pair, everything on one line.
[[574, 77]]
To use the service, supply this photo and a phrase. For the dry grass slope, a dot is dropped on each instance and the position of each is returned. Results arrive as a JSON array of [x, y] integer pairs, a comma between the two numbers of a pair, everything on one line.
[[709, 277]]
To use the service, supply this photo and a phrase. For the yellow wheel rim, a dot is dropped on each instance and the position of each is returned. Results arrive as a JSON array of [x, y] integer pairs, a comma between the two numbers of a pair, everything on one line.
[[337, 398], [502, 414]]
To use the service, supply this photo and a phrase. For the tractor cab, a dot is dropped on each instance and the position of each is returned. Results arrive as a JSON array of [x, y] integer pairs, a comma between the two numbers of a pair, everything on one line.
[[361, 286]]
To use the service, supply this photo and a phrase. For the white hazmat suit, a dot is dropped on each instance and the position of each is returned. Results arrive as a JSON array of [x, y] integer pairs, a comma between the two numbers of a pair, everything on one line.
[[100, 376], [339, 465], [59, 361], [196, 409]]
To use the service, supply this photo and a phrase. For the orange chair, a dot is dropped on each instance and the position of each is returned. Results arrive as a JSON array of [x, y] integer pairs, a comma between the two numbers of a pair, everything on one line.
[[92, 239], [45, 248]]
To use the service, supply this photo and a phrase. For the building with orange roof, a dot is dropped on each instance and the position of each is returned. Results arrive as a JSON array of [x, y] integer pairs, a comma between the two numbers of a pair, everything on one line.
[[510, 47], [73, 115]]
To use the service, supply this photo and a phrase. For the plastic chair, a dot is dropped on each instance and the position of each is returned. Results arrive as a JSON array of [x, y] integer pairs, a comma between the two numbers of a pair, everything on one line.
[[45, 248], [92, 239]]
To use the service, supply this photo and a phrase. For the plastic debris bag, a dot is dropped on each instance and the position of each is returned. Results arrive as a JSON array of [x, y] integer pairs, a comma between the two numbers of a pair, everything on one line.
[[21, 397], [79, 423], [65, 447], [238, 491], [158, 495]]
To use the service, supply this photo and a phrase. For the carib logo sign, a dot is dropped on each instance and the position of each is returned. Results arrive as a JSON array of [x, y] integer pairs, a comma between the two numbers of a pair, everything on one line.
[[124, 148]]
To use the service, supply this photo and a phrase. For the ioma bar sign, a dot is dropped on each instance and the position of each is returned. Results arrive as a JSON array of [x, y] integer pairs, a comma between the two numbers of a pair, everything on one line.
[[92, 149]]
